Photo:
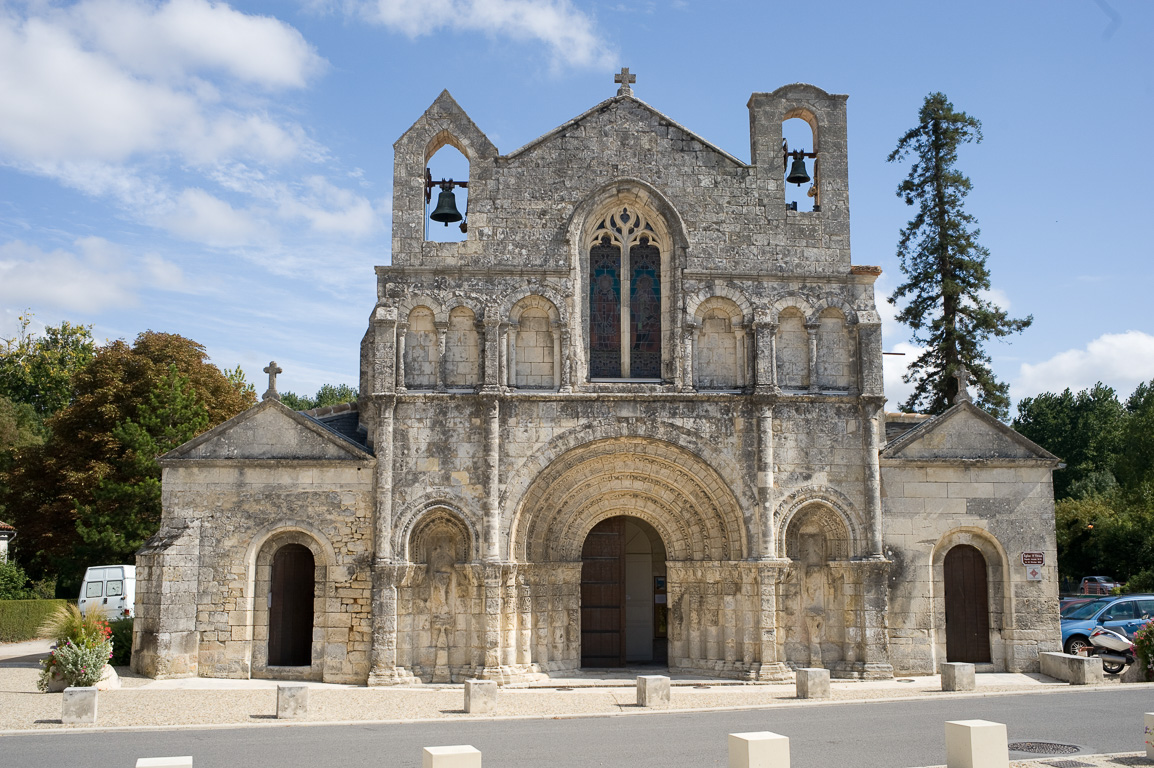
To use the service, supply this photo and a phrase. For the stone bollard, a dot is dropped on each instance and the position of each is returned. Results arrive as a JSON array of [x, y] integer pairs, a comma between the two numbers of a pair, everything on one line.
[[976, 744], [652, 691], [760, 749], [480, 696], [165, 762], [958, 676], [1149, 736], [292, 702], [79, 707], [461, 756], [812, 683]]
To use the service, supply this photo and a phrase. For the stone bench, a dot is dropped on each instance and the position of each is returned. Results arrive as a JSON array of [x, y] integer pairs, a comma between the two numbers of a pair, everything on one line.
[[1075, 670], [760, 749]]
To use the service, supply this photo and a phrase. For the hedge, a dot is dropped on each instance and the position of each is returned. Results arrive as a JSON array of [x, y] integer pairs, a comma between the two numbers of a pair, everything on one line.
[[19, 619]]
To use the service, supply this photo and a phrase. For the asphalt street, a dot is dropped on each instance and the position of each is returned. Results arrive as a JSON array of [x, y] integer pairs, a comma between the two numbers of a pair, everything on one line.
[[893, 734]]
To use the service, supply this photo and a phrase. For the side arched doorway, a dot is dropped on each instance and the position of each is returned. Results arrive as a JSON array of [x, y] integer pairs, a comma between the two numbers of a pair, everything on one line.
[[290, 621], [967, 605], [624, 613]]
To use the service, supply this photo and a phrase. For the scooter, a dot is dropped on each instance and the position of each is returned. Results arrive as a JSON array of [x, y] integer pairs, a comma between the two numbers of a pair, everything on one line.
[[1115, 650]]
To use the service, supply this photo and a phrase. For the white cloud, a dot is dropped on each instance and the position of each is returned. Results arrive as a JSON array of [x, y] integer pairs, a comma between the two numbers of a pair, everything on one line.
[[567, 32], [1119, 360], [330, 209], [96, 275], [201, 217]]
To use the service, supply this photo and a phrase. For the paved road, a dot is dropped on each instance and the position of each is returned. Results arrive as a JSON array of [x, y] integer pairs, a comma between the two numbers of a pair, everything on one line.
[[890, 734]]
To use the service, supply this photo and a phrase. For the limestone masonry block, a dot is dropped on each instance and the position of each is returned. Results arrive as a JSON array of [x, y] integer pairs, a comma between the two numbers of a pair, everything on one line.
[[760, 749], [652, 691], [79, 706], [165, 762], [957, 676], [812, 683], [292, 701], [461, 756], [480, 696], [976, 744], [1075, 670]]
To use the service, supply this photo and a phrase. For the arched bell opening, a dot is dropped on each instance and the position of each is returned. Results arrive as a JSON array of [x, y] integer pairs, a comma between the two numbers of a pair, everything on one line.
[[624, 608], [291, 594], [799, 135], [447, 199]]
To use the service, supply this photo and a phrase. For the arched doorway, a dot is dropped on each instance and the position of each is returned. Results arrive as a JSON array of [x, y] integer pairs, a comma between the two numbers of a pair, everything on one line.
[[624, 613], [290, 620], [967, 605]]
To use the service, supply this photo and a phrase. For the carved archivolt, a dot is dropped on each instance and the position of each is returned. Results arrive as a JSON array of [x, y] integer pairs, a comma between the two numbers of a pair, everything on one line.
[[832, 510]]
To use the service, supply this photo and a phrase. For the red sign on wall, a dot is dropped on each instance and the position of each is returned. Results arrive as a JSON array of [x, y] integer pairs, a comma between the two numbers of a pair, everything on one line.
[[1033, 558]]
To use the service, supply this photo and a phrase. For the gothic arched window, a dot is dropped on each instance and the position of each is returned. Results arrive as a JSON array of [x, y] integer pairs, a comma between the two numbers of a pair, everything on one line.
[[624, 314]]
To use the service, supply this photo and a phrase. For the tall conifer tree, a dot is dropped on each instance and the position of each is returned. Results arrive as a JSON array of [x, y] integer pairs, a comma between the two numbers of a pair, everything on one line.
[[945, 267]]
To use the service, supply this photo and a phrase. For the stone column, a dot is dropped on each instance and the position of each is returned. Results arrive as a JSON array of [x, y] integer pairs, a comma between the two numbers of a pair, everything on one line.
[[875, 655], [509, 348], [383, 512], [509, 617], [765, 493], [555, 328], [765, 365], [811, 330], [869, 339], [739, 356], [491, 581], [492, 408], [442, 369], [384, 375], [385, 670], [402, 333], [768, 577], [525, 618], [688, 356], [872, 424], [492, 355], [566, 361]]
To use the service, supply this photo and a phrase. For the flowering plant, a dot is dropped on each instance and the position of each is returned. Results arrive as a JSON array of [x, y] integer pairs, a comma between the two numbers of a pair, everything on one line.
[[1144, 644], [83, 646]]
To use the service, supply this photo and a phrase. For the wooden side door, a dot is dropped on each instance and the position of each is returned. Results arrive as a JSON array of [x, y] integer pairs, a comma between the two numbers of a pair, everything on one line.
[[290, 616], [603, 595], [967, 605]]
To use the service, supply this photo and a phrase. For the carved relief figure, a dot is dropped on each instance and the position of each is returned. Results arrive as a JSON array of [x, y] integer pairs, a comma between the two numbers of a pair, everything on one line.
[[440, 576], [813, 600]]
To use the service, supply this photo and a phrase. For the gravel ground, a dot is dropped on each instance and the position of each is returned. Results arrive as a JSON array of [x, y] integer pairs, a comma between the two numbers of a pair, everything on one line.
[[144, 702]]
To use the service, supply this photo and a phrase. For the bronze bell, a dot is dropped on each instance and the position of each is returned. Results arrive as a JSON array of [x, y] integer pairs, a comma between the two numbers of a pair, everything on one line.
[[446, 210], [797, 173]]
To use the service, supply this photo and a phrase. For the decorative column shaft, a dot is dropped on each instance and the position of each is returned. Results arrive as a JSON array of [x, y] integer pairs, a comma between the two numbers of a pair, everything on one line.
[[442, 369], [509, 357], [402, 333], [869, 339], [566, 356], [688, 357], [765, 366], [492, 356], [765, 494], [383, 513], [492, 477], [872, 415], [811, 330]]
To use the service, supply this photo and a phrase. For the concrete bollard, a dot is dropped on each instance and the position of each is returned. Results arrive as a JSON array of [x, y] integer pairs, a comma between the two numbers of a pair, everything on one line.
[[1150, 736], [79, 707], [760, 749], [165, 762], [812, 683], [292, 702], [958, 676], [461, 756], [652, 691], [976, 744], [480, 696]]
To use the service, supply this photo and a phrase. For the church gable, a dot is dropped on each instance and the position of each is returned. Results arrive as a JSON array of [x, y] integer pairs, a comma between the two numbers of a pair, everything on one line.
[[965, 432], [270, 430]]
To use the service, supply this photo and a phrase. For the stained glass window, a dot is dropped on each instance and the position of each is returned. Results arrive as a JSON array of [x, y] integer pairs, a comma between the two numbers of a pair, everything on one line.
[[605, 310], [645, 311]]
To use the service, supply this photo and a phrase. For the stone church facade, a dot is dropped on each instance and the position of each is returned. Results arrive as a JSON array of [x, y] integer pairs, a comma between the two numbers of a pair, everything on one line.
[[635, 417]]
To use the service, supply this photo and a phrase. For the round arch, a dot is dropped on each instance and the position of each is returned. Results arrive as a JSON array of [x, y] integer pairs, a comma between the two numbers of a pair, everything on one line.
[[415, 518], [836, 512], [998, 597]]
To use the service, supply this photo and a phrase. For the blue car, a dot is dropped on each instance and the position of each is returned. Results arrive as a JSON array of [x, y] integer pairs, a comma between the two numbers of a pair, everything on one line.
[[1125, 614]]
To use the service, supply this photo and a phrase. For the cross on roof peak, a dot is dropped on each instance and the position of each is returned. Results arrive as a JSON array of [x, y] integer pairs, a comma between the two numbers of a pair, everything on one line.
[[625, 79], [963, 377], [272, 370]]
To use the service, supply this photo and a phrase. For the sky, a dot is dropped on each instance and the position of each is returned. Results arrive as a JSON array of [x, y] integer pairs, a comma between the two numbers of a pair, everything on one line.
[[224, 171]]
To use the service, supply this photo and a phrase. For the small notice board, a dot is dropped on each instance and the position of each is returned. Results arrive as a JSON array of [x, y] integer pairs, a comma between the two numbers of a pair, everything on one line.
[[1033, 558]]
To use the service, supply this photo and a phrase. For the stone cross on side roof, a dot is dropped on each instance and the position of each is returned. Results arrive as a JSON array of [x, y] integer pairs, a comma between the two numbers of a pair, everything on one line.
[[625, 79], [963, 377], [272, 370]]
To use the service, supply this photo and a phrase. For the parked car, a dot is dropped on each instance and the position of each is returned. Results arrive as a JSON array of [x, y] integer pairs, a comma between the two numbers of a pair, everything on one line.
[[110, 589], [1068, 604], [1097, 585], [1125, 614]]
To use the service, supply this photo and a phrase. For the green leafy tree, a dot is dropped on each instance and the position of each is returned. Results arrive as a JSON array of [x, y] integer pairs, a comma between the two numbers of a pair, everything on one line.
[[1083, 429], [38, 370], [125, 508], [945, 267], [96, 442], [328, 394], [1136, 459]]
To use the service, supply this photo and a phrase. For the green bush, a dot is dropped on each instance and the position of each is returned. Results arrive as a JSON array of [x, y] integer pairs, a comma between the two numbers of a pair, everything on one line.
[[1143, 581], [121, 642], [21, 619], [13, 582], [83, 646]]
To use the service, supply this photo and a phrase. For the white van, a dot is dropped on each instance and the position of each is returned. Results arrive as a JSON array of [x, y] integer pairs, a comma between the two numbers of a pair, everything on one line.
[[110, 589]]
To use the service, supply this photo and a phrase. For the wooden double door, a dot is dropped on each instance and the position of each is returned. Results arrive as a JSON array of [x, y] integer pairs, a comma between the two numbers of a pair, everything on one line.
[[290, 615], [967, 605]]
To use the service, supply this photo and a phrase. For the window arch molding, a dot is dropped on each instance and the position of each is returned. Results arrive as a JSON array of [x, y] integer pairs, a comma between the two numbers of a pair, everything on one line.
[[666, 230]]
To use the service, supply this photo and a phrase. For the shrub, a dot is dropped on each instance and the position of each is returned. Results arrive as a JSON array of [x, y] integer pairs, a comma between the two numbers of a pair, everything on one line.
[[13, 582], [1144, 644], [83, 647], [121, 642], [21, 619], [1143, 581]]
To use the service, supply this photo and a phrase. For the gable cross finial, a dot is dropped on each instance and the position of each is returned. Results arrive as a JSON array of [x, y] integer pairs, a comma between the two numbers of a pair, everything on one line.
[[272, 370], [625, 79], [963, 377]]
